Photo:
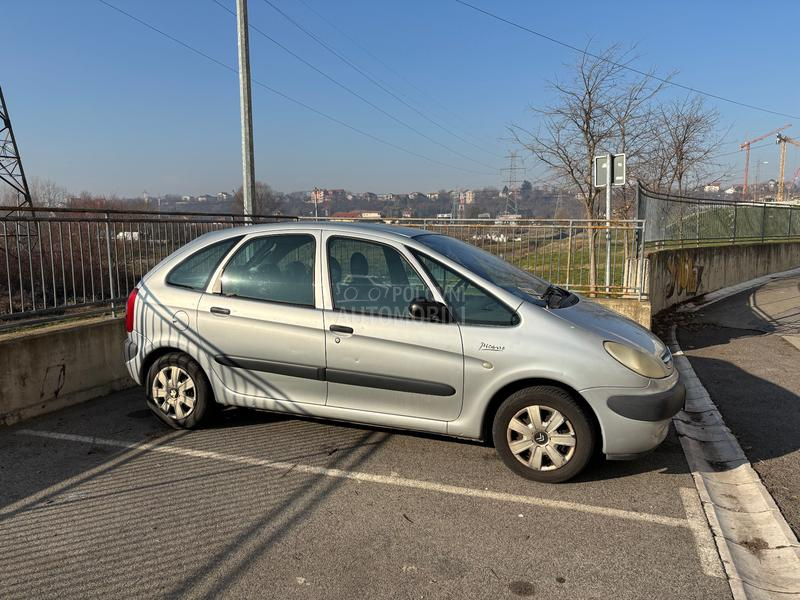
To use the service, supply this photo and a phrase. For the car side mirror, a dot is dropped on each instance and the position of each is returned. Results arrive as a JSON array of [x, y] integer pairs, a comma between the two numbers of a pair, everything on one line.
[[424, 309]]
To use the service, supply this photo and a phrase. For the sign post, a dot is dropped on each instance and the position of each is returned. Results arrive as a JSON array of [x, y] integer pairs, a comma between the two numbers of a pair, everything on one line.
[[609, 170]]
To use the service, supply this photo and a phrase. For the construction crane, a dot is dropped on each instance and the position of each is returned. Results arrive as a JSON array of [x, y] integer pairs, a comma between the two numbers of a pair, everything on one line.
[[782, 140], [746, 147]]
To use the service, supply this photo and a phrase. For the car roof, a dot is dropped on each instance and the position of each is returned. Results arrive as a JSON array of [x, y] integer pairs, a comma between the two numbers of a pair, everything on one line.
[[397, 231]]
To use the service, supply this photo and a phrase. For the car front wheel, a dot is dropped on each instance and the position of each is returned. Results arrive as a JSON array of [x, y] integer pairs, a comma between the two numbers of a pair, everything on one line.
[[543, 434]]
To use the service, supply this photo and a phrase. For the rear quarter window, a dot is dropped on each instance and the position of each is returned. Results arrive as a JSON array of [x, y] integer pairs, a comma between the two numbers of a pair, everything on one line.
[[195, 272]]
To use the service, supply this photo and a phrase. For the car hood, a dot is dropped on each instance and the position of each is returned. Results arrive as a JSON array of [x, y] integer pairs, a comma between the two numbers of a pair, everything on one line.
[[609, 325]]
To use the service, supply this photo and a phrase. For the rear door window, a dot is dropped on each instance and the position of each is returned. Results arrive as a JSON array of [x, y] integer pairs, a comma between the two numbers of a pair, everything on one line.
[[274, 268]]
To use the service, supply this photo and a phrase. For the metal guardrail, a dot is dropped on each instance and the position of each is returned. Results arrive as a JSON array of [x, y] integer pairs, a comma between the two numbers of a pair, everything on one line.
[[566, 252], [57, 263], [689, 221]]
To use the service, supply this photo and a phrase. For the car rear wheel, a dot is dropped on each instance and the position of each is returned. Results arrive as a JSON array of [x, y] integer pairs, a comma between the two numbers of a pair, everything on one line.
[[178, 391], [543, 434]]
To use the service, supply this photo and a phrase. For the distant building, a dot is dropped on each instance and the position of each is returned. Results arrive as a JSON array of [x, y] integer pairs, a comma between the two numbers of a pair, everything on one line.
[[186, 198], [204, 198], [484, 215], [432, 195], [223, 196], [469, 197], [356, 214], [319, 196], [712, 187], [407, 213], [385, 197], [507, 219], [731, 190]]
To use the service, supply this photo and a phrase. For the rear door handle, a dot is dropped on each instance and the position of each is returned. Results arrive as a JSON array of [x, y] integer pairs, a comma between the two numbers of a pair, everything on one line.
[[220, 311], [341, 329]]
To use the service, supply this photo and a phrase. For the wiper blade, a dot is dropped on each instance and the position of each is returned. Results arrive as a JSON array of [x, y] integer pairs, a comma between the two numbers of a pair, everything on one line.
[[550, 295]]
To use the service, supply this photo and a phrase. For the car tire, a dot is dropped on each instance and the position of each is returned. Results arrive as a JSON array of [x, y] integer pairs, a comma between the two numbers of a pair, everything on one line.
[[178, 391], [543, 434]]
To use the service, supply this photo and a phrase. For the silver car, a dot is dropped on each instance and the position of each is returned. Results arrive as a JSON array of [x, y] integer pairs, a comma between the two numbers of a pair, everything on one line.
[[401, 328]]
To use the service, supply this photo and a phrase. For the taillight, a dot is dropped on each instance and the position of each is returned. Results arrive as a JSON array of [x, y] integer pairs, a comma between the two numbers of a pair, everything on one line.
[[130, 309]]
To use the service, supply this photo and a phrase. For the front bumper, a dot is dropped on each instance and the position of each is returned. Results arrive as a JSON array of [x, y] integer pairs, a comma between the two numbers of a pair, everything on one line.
[[635, 421], [649, 407]]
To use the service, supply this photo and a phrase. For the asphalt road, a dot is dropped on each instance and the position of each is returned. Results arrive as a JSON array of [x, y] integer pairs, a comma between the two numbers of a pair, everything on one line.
[[746, 351], [102, 501]]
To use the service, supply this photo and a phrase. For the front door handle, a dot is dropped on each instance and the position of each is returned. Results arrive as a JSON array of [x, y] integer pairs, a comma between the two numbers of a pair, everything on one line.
[[341, 329], [217, 310]]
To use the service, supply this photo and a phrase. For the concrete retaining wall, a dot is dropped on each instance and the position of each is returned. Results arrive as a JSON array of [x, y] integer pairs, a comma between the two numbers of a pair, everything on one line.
[[678, 275], [637, 310], [44, 370]]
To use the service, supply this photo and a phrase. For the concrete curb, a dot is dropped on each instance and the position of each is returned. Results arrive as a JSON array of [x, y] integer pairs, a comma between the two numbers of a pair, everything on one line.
[[758, 549]]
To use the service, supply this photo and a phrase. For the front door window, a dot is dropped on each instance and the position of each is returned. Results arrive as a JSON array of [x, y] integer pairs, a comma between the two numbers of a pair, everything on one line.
[[369, 278]]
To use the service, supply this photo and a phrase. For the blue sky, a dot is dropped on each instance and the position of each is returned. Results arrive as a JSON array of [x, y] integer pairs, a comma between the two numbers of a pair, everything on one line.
[[101, 103]]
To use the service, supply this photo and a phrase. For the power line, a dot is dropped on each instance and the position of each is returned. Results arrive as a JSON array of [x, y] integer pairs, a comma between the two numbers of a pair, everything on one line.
[[356, 94], [371, 79], [399, 75], [286, 96], [764, 145], [621, 65]]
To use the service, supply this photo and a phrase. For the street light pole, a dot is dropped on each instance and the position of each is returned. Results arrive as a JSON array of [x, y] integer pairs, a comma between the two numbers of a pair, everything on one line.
[[245, 101], [609, 180]]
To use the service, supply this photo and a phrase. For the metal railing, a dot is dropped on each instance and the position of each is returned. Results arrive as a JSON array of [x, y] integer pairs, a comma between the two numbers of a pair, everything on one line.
[[688, 221], [57, 262], [569, 253]]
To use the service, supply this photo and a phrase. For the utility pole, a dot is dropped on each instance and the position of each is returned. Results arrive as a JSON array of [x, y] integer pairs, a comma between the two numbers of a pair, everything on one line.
[[245, 100], [609, 181]]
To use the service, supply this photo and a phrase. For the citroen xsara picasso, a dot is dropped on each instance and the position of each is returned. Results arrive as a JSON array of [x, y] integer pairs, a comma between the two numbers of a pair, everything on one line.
[[399, 328]]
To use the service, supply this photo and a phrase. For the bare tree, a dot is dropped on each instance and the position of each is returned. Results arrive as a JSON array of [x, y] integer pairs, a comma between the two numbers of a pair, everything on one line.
[[265, 202], [602, 108], [686, 138]]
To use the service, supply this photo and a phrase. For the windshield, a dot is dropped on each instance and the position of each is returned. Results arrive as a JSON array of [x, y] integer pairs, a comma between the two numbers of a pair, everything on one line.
[[488, 266]]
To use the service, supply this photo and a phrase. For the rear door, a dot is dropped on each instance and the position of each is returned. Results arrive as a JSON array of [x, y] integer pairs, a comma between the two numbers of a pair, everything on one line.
[[263, 322], [379, 359]]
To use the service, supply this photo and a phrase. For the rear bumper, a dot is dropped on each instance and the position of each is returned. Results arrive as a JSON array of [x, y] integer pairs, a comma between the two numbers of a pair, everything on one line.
[[133, 351]]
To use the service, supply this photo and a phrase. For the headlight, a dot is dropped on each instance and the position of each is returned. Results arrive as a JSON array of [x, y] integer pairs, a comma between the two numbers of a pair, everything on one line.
[[637, 361]]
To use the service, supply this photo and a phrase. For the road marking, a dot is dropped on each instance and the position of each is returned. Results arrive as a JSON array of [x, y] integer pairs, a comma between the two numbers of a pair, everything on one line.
[[75, 480], [374, 478], [706, 548]]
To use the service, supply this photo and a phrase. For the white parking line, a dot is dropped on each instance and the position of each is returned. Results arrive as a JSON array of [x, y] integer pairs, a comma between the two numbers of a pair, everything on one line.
[[706, 548], [692, 523]]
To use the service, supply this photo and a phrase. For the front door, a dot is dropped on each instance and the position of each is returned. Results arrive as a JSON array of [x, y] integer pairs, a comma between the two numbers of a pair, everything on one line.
[[380, 359], [261, 324]]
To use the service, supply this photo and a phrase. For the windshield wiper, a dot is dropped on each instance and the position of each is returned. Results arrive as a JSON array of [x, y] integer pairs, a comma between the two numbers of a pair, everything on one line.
[[554, 293]]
